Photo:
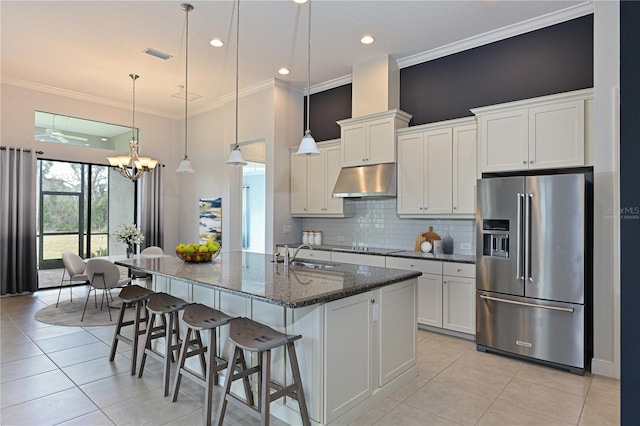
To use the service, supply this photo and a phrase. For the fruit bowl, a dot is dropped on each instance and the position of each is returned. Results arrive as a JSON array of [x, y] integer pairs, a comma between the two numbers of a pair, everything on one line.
[[198, 257]]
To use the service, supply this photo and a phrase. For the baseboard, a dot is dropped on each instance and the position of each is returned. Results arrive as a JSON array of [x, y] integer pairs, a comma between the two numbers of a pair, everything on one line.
[[603, 367]]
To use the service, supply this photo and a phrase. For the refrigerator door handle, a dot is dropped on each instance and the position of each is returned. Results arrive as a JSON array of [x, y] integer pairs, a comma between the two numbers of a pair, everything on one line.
[[527, 236], [519, 274], [532, 305]]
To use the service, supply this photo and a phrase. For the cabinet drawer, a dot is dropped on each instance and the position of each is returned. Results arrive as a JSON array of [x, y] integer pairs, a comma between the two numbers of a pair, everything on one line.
[[467, 270], [312, 254], [358, 259], [424, 266]]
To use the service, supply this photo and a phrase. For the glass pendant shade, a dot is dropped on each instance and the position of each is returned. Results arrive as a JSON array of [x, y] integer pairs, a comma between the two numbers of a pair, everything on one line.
[[185, 167], [236, 158], [308, 145]]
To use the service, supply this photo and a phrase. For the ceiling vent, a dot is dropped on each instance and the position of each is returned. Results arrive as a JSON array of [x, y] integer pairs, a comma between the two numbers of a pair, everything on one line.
[[157, 53], [190, 95]]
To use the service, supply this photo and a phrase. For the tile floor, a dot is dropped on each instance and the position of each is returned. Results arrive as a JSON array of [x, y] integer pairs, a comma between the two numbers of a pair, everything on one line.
[[61, 375]]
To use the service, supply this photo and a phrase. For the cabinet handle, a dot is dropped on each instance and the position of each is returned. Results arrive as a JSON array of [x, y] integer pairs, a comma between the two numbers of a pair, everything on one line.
[[459, 270], [444, 282], [373, 300], [455, 208], [412, 265], [524, 162], [531, 162]]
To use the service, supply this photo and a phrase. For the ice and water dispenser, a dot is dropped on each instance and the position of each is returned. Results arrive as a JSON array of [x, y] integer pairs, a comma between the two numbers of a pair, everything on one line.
[[495, 238]]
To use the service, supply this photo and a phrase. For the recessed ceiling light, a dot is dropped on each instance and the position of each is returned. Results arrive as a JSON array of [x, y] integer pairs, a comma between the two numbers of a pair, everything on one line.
[[216, 42], [283, 71], [300, 1], [367, 39]]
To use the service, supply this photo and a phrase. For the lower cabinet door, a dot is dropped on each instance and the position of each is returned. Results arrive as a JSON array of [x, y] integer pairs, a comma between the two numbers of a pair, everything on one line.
[[348, 353], [430, 300], [459, 304]]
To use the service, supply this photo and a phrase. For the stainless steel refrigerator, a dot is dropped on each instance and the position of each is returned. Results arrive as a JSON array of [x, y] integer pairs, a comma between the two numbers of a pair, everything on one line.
[[534, 268]]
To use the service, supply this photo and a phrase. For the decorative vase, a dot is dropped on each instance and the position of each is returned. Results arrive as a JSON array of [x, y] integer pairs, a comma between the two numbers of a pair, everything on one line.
[[447, 244], [129, 251]]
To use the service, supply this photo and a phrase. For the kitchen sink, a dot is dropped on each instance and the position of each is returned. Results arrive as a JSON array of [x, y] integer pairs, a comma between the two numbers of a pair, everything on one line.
[[303, 264]]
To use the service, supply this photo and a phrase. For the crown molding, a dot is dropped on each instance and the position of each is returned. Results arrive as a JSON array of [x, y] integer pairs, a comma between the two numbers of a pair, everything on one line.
[[513, 30], [80, 96], [331, 84]]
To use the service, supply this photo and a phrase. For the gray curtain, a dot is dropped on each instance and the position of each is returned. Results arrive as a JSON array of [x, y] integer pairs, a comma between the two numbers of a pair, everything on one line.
[[152, 207], [18, 261]]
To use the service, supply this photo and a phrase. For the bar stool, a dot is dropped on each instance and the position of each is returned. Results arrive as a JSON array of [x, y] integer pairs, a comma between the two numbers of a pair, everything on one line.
[[255, 337], [197, 318], [137, 296], [167, 307]]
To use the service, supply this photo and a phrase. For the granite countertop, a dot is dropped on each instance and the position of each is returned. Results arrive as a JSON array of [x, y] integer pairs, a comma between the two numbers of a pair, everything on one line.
[[256, 276], [460, 258]]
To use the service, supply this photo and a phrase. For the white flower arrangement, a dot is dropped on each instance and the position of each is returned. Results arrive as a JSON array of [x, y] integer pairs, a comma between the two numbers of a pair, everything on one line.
[[129, 234]]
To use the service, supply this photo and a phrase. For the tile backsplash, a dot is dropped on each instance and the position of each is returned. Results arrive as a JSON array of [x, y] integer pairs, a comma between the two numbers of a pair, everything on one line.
[[376, 224]]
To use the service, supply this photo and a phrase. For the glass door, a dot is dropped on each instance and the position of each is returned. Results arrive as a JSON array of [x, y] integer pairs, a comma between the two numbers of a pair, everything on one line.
[[73, 210]]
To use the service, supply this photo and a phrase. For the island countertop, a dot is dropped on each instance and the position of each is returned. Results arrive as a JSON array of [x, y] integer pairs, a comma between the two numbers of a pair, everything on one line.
[[256, 276]]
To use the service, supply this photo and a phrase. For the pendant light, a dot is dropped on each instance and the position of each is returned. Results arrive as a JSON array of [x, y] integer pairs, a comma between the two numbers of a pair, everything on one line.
[[185, 164], [235, 157], [308, 144], [140, 164]]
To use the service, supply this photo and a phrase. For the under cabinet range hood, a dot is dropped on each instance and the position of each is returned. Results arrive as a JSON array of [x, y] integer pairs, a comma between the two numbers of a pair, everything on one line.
[[377, 180]]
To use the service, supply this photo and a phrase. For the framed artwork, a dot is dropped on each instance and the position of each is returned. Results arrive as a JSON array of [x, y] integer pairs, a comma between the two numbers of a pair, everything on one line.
[[211, 220]]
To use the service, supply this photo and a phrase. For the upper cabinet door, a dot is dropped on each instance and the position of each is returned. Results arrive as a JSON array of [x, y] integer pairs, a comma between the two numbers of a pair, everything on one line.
[[332, 170], [316, 183], [298, 184], [381, 141], [439, 171], [354, 145], [556, 135], [411, 160], [464, 169], [505, 140]]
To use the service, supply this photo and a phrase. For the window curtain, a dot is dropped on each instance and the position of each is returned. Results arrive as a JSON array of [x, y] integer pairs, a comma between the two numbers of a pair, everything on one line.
[[18, 261], [152, 207]]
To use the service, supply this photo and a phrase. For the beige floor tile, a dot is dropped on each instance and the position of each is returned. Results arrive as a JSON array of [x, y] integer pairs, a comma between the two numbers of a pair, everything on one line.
[[10, 353], [604, 388], [446, 401], [118, 388], [408, 389], [503, 414], [404, 414], [80, 354], [25, 367], [96, 418], [493, 363], [597, 412], [49, 410], [473, 379], [97, 369], [434, 359], [151, 408], [556, 379], [376, 413], [14, 338], [33, 387], [50, 332], [543, 400], [60, 343]]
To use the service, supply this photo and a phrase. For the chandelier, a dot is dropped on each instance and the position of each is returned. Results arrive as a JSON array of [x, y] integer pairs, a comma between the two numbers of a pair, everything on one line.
[[140, 164]]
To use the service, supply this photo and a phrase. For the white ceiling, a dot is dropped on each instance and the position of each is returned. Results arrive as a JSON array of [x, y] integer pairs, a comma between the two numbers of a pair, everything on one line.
[[89, 48]]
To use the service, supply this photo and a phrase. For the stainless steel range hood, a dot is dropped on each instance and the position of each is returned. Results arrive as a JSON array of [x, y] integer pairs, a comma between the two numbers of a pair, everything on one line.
[[377, 180]]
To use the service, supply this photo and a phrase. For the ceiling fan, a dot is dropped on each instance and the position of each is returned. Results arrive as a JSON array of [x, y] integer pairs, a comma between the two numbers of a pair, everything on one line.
[[61, 137]]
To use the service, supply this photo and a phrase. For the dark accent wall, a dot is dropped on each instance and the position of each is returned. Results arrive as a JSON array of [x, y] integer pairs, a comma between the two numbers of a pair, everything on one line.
[[551, 60], [327, 107], [630, 212]]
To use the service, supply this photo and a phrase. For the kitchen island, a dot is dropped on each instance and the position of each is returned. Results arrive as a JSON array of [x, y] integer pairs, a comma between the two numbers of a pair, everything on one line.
[[358, 323]]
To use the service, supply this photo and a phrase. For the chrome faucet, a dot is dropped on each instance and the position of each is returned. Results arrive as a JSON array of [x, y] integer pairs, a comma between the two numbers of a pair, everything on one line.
[[295, 253]]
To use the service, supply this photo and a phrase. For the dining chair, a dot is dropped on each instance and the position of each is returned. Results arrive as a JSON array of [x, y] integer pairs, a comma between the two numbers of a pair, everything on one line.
[[151, 250], [74, 266], [103, 275]]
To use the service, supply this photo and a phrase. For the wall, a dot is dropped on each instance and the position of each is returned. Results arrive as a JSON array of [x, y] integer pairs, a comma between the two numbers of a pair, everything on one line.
[[376, 224]]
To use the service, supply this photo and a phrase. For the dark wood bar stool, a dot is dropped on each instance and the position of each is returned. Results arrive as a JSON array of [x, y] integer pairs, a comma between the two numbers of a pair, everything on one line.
[[197, 318], [137, 296], [167, 307], [252, 336]]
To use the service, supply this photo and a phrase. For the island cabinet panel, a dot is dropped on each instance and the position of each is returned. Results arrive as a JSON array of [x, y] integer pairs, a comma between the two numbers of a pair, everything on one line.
[[349, 353], [397, 330]]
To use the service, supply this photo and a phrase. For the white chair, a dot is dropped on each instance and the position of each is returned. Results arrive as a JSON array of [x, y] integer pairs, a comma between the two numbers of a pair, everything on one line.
[[105, 275], [74, 266], [149, 251]]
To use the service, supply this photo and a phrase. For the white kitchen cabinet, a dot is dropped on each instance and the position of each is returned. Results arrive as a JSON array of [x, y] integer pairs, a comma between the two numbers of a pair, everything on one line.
[[437, 169], [539, 133], [458, 297], [371, 139], [378, 345], [312, 182]]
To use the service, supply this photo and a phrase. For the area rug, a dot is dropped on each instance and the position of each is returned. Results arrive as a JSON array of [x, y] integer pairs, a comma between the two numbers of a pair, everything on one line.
[[69, 313]]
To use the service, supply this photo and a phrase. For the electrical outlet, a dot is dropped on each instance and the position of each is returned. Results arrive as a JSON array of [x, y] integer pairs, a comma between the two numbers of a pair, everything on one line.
[[286, 229], [465, 246], [340, 238]]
